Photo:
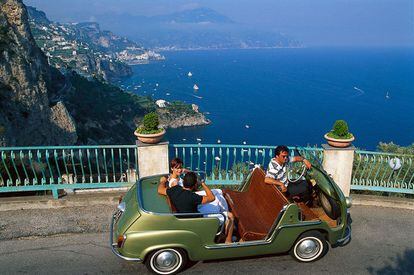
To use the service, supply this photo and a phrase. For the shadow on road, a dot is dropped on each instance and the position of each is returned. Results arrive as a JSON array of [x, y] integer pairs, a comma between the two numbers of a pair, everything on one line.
[[401, 265]]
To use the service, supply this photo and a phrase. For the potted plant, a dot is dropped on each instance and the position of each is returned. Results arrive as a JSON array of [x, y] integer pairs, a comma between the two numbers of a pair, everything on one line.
[[149, 131], [339, 136]]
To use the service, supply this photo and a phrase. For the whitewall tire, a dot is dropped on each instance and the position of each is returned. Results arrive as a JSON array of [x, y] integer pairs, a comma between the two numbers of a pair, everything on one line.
[[166, 261], [310, 246]]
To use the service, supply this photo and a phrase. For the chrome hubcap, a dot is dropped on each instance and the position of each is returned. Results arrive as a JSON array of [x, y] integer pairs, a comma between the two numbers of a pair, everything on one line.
[[308, 248], [166, 260]]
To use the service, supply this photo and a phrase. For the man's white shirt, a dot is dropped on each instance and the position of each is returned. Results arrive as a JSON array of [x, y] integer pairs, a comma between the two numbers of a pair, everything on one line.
[[277, 171]]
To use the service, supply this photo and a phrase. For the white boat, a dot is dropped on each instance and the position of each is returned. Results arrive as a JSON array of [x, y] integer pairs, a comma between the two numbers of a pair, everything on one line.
[[247, 126], [195, 87], [387, 96], [190, 74]]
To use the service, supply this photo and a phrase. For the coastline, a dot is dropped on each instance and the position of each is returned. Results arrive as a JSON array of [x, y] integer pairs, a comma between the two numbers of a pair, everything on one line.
[[224, 49]]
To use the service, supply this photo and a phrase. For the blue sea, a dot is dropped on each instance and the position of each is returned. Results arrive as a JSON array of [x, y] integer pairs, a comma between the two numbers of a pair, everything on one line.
[[287, 96]]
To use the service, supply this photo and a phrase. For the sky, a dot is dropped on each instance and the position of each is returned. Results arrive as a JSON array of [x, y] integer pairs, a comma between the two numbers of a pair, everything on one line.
[[314, 22]]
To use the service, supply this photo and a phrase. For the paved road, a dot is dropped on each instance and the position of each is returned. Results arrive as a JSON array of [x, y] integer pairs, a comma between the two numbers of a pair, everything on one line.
[[383, 243]]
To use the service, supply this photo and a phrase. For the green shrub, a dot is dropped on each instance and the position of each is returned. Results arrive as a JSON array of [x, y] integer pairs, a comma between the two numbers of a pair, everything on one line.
[[151, 121], [340, 130], [150, 124]]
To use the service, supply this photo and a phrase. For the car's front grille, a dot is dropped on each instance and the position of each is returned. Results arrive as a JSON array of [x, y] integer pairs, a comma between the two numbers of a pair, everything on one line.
[[117, 215]]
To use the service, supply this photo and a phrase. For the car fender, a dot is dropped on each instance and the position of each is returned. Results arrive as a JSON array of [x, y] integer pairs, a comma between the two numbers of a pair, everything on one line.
[[139, 244]]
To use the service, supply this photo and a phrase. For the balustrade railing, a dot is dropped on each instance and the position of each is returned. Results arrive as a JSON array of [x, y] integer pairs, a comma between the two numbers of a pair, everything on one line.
[[384, 172], [84, 167], [61, 167], [228, 164]]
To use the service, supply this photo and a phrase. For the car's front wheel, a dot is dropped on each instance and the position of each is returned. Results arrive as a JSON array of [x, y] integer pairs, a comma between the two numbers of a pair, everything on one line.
[[310, 246], [166, 261]]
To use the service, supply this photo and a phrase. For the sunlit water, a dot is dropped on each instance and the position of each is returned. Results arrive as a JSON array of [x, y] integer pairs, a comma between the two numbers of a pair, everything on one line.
[[287, 96]]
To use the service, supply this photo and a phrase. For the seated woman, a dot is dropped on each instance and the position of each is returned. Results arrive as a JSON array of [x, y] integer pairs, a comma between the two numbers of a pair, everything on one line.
[[219, 205], [176, 167]]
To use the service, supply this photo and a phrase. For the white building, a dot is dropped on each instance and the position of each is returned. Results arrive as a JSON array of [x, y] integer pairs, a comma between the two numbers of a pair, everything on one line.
[[161, 103], [195, 107]]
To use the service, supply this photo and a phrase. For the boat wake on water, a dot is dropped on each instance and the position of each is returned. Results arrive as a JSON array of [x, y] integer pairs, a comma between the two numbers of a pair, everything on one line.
[[359, 90], [200, 97]]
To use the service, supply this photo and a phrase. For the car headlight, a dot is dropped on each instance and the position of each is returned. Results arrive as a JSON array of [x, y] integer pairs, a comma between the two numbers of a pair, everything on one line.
[[121, 206], [348, 201]]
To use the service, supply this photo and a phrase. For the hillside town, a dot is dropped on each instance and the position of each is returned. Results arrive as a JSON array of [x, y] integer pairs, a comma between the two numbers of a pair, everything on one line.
[[86, 49]]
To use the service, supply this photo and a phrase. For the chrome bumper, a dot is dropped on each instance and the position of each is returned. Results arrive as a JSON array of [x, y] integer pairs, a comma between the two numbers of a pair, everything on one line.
[[114, 246], [348, 233]]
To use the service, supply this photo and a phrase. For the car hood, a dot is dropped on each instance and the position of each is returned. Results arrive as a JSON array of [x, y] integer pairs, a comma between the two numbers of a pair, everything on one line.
[[325, 183]]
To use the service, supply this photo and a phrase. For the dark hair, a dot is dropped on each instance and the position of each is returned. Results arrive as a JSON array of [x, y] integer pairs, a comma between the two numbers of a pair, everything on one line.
[[281, 148], [190, 180], [175, 162]]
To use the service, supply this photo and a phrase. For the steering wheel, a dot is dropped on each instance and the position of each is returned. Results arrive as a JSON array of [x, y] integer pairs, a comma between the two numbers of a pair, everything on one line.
[[295, 172]]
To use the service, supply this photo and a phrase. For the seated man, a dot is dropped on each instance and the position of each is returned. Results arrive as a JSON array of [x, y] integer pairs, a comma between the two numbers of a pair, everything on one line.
[[186, 200], [276, 172]]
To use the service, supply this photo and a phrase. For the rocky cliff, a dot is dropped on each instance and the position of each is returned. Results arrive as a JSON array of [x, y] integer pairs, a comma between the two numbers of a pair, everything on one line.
[[26, 113], [178, 114], [41, 106]]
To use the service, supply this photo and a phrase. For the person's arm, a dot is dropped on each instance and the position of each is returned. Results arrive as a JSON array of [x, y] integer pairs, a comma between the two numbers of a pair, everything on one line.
[[273, 181], [209, 197], [162, 186], [305, 161]]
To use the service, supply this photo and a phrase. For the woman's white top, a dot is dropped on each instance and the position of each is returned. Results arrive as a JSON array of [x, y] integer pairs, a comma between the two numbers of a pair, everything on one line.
[[171, 181]]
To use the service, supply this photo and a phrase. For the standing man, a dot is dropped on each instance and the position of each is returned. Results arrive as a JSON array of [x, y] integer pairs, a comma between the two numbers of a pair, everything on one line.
[[276, 172]]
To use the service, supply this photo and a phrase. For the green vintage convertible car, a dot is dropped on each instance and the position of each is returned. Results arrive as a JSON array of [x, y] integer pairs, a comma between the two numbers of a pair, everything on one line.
[[146, 229]]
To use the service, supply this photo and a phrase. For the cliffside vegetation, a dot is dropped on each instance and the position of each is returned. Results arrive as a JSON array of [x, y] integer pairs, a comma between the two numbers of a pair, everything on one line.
[[396, 149], [179, 108], [103, 112], [4, 38]]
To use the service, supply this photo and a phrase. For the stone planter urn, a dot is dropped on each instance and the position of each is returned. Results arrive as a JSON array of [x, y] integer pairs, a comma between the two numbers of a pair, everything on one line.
[[340, 143], [339, 136], [150, 138]]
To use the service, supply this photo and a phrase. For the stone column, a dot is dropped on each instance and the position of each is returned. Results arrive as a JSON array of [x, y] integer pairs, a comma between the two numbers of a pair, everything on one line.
[[152, 159], [338, 163]]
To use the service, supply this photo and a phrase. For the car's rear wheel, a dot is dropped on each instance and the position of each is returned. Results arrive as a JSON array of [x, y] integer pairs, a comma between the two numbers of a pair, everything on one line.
[[166, 261], [311, 246]]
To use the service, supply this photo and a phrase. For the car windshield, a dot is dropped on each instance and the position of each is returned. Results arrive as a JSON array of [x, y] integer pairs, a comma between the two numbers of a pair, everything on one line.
[[314, 156], [314, 160]]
